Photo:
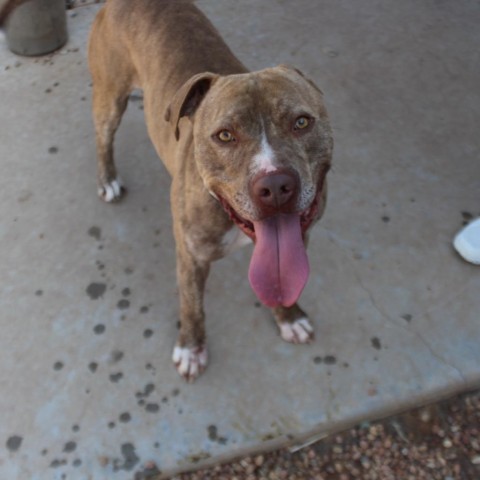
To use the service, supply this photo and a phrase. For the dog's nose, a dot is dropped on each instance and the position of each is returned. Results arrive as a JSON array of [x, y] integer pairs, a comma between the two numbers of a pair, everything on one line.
[[275, 191]]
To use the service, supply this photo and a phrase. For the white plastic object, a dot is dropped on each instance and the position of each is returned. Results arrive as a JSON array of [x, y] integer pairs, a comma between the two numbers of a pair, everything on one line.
[[467, 242]]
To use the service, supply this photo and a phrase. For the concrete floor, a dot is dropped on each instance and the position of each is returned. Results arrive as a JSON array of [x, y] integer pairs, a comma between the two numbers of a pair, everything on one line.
[[88, 304]]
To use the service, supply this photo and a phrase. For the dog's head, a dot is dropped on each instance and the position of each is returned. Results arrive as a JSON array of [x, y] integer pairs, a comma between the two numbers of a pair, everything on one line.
[[263, 146]]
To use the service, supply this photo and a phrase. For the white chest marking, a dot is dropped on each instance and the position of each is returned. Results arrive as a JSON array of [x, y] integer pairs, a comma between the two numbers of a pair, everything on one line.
[[264, 160], [234, 239]]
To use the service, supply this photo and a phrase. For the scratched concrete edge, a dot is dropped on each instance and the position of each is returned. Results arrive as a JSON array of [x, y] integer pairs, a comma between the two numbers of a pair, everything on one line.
[[326, 429]]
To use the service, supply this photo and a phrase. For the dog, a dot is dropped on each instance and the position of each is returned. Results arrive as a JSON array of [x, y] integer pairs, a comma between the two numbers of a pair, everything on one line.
[[248, 154]]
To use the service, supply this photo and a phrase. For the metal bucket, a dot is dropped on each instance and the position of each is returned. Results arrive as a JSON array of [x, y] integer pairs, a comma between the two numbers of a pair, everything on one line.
[[37, 27]]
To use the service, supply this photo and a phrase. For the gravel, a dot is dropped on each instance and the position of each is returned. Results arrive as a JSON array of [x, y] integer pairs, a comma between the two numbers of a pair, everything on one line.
[[440, 441]]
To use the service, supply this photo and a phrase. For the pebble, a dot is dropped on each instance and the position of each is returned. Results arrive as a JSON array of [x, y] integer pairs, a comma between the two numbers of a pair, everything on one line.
[[475, 460], [447, 443], [365, 463], [375, 451]]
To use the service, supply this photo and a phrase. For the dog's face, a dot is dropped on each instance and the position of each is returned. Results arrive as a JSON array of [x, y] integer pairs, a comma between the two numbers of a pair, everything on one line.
[[263, 146], [259, 123]]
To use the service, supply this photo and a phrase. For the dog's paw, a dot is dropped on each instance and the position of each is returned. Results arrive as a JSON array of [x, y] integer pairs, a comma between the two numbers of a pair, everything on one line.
[[112, 191], [300, 331], [190, 362]]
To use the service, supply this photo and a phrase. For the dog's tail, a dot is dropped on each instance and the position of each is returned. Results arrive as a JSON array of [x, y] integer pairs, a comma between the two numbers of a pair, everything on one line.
[[6, 8]]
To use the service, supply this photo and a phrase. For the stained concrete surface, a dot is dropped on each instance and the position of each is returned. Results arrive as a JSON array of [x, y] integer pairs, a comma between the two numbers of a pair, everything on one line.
[[88, 303]]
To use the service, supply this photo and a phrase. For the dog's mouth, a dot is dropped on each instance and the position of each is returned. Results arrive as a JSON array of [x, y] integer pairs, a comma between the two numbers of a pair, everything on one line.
[[307, 216], [279, 265]]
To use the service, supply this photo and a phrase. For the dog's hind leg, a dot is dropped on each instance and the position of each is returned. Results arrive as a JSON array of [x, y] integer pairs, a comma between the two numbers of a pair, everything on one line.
[[112, 76], [294, 325], [107, 114]]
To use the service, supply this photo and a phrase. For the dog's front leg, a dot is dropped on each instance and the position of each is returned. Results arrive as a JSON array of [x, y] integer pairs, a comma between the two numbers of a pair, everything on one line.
[[190, 352], [294, 325]]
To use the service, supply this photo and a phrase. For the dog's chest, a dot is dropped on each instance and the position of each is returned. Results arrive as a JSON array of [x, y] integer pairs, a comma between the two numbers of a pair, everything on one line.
[[234, 239]]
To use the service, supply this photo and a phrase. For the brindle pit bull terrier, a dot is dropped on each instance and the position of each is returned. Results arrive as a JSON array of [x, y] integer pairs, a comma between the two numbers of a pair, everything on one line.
[[248, 153]]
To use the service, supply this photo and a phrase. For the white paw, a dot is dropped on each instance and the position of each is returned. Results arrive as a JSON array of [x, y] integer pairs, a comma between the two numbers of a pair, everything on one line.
[[300, 331], [190, 362], [112, 191]]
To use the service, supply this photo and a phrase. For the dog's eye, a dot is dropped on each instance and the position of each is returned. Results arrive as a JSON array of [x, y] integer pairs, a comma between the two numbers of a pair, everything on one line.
[[225, 136], [301, 123]]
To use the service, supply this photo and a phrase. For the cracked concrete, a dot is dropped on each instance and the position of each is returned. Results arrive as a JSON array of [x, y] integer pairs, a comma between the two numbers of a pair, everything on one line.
[[411, 330], [88, 303]]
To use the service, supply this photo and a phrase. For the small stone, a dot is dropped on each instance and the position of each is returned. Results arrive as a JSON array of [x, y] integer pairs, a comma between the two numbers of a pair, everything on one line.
[[249, 470], [447, 443], [365, 463], [337, 449], [475, 460], [425, 415]]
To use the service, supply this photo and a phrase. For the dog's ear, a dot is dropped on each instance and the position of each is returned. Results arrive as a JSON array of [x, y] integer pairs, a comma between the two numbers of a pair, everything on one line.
[[297, 71], [188, 98]]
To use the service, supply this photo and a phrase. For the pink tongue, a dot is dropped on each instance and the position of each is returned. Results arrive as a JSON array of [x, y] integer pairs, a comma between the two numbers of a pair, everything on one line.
[[279, 265]]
